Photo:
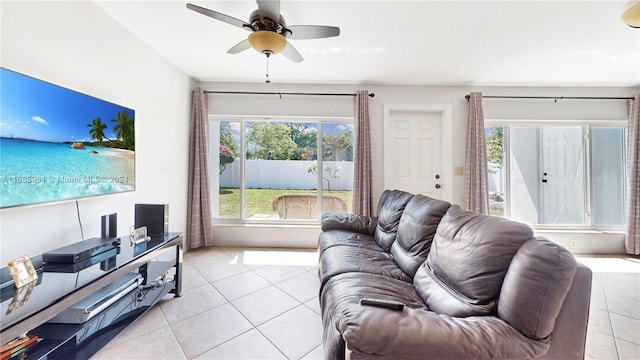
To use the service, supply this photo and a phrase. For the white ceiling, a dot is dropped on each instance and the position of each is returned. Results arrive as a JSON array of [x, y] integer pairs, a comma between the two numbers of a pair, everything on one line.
[[506, 43]]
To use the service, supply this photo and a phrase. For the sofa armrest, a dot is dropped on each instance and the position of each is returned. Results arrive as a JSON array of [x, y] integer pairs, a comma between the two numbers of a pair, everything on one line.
[[568, 338], [535, 287], [349, 222], [379, 333]]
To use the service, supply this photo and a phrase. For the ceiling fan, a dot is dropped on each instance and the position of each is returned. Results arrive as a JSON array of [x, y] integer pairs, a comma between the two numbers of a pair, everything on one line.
[[269, 31], [631, 17]]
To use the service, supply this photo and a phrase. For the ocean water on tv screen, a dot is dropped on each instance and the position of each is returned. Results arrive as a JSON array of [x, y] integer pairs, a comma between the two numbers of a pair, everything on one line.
[[36, 171]]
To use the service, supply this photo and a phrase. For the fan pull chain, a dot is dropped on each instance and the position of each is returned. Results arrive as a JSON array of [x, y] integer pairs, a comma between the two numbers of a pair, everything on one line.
[[268, 81]]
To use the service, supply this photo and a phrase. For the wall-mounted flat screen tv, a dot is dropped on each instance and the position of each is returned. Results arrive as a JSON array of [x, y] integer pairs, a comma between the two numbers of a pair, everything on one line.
[[58, 144]]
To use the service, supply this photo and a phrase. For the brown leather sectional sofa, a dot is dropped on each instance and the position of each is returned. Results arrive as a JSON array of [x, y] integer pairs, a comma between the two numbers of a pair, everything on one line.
[[473, 286]]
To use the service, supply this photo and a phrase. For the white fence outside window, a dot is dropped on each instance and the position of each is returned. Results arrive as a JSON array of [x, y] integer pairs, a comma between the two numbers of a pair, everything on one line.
[[286, 174]]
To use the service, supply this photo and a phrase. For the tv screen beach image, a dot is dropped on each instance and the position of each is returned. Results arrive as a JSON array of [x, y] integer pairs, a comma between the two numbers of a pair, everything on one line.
[[58, 144]]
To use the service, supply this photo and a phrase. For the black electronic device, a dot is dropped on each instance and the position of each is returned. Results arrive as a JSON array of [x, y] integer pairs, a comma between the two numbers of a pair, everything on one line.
[[389, 304], [154, 216], [80, 251], [81, 265], [109, 226]]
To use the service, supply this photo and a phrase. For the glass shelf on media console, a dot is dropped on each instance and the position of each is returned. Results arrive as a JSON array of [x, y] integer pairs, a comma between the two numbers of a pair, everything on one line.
[[52, 286]]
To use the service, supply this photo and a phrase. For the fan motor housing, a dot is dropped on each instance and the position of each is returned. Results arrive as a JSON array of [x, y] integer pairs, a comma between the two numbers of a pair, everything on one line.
[[265, 23]]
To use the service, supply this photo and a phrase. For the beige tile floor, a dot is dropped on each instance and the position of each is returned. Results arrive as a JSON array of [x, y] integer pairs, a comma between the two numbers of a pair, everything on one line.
[[244, 303], [614, 317]]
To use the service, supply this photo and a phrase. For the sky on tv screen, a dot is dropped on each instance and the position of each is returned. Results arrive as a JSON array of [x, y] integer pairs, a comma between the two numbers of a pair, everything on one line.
[[37, 110]]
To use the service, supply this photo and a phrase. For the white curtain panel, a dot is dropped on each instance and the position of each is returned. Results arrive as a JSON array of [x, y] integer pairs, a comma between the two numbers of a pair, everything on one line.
[[476, 189], [199, 228], [632, 243], [362, 156]]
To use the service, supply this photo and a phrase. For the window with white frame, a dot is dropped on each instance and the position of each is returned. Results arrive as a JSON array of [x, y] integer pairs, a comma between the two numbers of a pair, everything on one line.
[[281, 169], [565, 174]]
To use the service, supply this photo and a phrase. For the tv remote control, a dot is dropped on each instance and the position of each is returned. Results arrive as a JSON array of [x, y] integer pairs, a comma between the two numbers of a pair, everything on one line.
[[389, 304]]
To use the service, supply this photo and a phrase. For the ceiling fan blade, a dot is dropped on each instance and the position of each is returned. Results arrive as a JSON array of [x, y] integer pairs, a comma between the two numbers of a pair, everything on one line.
[[240, 47], [291, 53], [299, 32], [220, 16], [270, 9]]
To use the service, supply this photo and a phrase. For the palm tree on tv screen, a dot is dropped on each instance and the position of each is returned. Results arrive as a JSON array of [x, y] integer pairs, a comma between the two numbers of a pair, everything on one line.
[[96, 130], [124, 129]]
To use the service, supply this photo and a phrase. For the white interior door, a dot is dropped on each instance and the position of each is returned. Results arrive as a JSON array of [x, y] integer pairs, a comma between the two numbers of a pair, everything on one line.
[[417, 148], [562, 175]]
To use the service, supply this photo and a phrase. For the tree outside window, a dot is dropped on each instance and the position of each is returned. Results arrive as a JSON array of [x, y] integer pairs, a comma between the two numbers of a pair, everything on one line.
[[228, 148], [494, 138]]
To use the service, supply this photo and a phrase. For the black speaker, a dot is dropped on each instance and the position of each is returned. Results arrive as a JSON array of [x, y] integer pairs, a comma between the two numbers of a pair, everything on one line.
[[109, 226], [154, 216]]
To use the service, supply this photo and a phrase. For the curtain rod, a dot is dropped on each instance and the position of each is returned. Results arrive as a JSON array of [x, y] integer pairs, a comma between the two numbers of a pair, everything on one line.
[[279, 93], [556, 98]]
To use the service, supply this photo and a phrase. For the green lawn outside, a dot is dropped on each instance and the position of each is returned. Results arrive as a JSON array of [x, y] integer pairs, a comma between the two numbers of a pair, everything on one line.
[[496, 210], [259, 200]]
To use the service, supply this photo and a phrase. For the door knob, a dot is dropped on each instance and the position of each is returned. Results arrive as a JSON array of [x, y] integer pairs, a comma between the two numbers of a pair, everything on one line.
[[437, 176], [438, 186]]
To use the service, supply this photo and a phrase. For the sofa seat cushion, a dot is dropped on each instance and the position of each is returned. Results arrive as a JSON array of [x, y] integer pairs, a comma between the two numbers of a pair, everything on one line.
[[390, 208], [416, 230], [417, 333], [349, 259], [469, 258], [343, 292], [333, 238]]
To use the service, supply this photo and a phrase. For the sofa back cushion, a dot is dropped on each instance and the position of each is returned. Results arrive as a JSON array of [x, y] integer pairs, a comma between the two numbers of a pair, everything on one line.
[[416, 230], [535, 287], [390, 208], [469, 258]]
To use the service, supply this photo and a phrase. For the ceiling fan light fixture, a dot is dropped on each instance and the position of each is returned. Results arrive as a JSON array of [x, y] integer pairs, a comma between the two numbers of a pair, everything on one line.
[[631, 17], [265, 41]]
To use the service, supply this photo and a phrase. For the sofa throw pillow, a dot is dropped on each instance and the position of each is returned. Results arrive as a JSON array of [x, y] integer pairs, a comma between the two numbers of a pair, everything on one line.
[[390, 208], [469, 258], [416, 230]]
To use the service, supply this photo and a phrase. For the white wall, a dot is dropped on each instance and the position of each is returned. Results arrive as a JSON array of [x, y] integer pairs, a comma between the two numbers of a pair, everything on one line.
[[225, 104], [76, 45]]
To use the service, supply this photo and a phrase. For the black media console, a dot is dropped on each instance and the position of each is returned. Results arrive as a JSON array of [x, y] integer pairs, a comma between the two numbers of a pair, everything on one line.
[[155, 266]]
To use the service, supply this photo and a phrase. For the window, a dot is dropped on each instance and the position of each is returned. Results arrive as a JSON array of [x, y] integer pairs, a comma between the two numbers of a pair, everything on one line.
[[557, 174], [281, 169]]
